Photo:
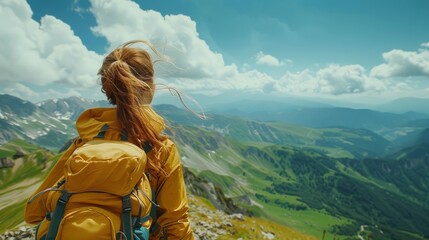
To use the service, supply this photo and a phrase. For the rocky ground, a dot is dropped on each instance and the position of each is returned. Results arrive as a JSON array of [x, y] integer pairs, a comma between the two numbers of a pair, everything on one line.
[[23, 233], [209, 223]]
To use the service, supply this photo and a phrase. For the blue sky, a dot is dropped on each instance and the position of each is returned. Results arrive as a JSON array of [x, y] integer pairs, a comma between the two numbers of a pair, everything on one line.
[[360, 50]]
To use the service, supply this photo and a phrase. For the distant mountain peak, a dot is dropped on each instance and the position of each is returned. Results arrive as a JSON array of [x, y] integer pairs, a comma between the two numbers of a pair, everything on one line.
[[409, 104], [71, 107], [11, 104]]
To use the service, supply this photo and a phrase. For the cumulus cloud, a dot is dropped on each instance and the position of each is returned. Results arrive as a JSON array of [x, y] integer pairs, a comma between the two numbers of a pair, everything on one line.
[[175, 35], [269, 60], [334, 79], [337, 79], [24, 92], [21, 91], [400, 63], [194, 65], [251, 81], [48, 52], [42, 52]]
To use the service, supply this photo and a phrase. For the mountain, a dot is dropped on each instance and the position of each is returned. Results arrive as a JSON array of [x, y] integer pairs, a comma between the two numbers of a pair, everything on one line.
[[227, 101], [51, 123], [279, 170], [285, 183], [335, 141], [25, 120], [335, 117], [398, 128], [253, 106], [423, 137], [21, 108], [403, 105], [69, 108], [342, 181]]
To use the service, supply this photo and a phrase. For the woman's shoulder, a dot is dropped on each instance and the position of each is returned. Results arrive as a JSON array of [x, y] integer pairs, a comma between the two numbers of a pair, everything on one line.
[[168, 156]]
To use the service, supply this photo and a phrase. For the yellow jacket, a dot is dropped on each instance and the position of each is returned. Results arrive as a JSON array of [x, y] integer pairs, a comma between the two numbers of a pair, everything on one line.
[[170, 191]]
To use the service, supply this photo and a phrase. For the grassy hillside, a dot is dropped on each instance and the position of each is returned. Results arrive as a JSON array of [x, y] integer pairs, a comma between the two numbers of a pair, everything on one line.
[[17, 182], [29, 160], [209, 223], [309, 190], [334, 142], [31, 164], [327, 180]]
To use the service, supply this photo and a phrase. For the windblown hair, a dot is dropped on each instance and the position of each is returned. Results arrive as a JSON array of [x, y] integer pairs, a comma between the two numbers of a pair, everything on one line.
[[127, 78]]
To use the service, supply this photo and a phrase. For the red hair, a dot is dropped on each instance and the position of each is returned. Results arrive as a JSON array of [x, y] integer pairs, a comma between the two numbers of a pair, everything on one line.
[[127, 78]]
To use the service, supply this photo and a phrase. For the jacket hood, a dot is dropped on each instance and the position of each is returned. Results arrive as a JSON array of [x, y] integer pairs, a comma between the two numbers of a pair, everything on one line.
[[92, 120]]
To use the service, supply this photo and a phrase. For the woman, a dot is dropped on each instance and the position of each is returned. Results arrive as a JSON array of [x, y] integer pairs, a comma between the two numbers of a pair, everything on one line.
[[127, 79]]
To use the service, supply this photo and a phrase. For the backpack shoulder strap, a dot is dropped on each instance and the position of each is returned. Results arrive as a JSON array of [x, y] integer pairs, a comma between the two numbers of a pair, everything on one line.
[[153, 215], [155, 225], [58, 215], [147, 147], [127, 228]]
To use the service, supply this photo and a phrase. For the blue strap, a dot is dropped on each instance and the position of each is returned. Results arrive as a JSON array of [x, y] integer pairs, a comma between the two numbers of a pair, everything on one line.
[[145, 219], [126, 217], [105, 127], [155, 225], [124, 135], [58, 215], [152, 214], [147, 147]]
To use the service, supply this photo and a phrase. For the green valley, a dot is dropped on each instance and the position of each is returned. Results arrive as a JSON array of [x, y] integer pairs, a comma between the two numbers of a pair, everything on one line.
[[335, 182]]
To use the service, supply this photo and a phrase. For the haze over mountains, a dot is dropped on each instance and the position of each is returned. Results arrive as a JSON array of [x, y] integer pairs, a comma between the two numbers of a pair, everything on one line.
[[399, 121], [313, 167]]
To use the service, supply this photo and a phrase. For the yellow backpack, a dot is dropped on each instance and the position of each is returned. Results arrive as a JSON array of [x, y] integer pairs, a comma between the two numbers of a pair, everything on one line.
[[104, 194]]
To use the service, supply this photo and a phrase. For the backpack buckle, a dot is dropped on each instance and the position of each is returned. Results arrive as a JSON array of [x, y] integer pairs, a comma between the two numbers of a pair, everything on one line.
[[64, 197], [126, 203]]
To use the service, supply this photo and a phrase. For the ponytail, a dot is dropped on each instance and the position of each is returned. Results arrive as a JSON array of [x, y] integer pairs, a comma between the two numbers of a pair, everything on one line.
[[127, 81]]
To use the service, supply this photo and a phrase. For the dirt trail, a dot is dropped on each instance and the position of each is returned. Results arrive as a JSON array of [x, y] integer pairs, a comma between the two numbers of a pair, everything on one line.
[[362, 228], [18, 192], [18, 163]]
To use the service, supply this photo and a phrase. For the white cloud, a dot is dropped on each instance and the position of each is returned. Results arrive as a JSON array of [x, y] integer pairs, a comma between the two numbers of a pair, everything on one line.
[[197, 67], [42, 53], [48, 52], [21, 91], [400, 63], [24, 92], [174, 35], [269, 60], [78, 9], [334, 79], [250, 81], [337, 79], [266, 59], [53, 93]]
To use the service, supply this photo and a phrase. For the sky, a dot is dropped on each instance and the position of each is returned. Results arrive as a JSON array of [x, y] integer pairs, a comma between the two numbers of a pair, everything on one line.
[[354, 50]]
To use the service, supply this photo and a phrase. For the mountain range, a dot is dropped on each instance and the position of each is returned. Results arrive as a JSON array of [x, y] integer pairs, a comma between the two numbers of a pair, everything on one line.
[[331, 177]]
